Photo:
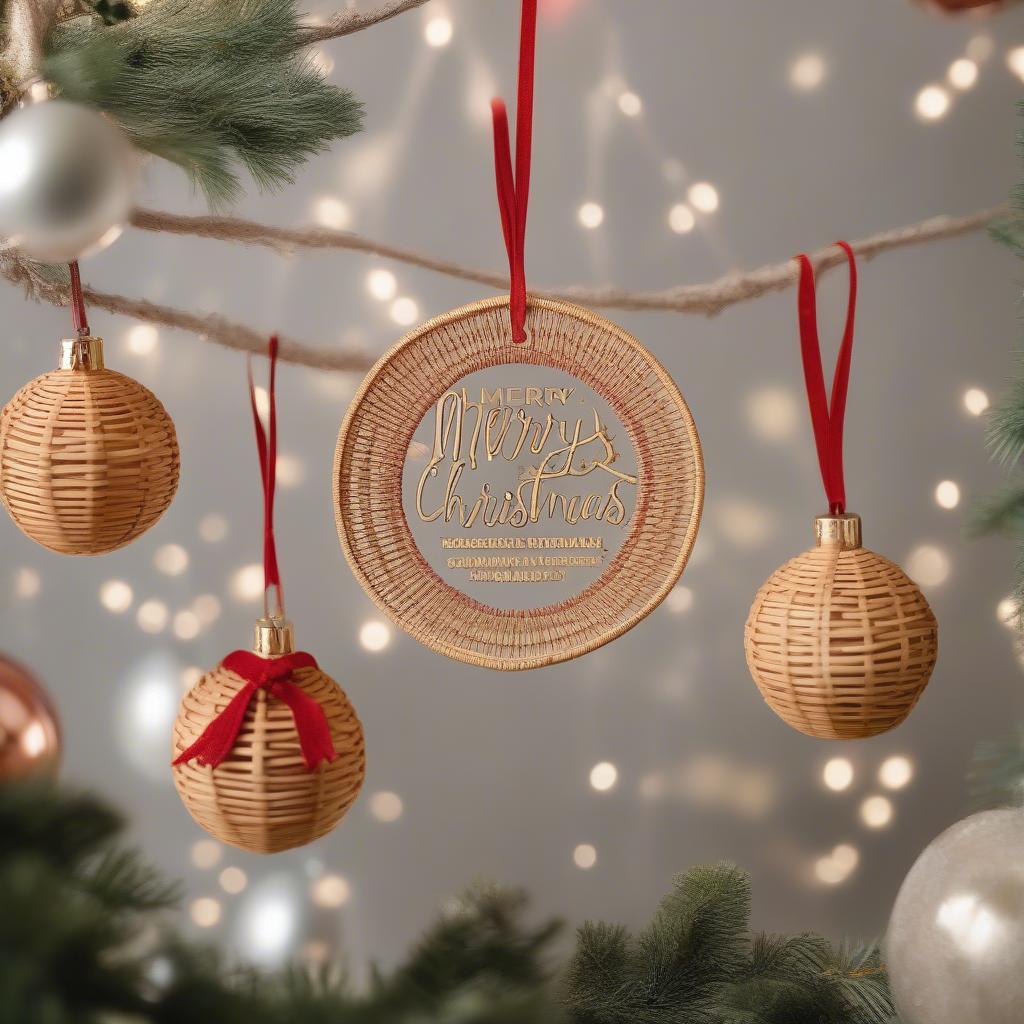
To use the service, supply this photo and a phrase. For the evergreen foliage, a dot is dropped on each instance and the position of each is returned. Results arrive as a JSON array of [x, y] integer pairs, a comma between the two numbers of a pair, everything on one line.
[[1003, 512], [213, 85], [85, 939], [697, 963]]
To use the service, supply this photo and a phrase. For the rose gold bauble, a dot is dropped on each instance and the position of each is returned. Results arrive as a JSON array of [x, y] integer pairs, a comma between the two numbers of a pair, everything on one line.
[[88, 456], [263, 798], [840, 641], [30, 740], [964, 6]]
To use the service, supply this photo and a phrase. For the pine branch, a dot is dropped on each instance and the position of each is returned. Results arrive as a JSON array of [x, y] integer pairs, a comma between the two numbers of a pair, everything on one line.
[[347, 22], [1005, 435], [215, 86], [1002, 512], [996, 777]]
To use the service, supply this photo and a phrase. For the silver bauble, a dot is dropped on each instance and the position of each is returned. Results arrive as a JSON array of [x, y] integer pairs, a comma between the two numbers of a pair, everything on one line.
[[67, 178], [955, 948]]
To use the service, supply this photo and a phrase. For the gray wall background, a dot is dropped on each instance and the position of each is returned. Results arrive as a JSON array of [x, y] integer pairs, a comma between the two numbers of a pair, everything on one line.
[[493, 769]]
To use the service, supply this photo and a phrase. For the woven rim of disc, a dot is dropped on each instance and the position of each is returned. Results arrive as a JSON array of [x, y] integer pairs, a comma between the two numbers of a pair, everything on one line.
[[373, 445]]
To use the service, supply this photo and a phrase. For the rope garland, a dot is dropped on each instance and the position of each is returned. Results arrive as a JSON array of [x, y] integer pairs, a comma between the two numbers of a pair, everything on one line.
[[707, 299]]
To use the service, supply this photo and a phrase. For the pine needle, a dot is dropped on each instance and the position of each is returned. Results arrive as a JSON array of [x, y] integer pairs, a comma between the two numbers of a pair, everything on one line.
[[216, 86]]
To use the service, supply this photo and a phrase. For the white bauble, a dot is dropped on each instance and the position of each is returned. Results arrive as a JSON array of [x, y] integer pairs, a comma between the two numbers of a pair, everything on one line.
[[955, 948], [67, 180]]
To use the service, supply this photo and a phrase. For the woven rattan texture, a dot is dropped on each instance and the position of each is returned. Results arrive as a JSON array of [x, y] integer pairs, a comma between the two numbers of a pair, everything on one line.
[[374, 441], [88, 460], [263, 798], [841, 643]]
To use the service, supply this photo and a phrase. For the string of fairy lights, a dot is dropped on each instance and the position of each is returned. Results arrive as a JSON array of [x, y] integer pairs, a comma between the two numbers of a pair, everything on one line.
[[269, 924]]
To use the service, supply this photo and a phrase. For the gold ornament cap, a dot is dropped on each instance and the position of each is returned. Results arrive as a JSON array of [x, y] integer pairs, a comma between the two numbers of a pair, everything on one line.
[[82, 353], [273, 637], [841, 531]]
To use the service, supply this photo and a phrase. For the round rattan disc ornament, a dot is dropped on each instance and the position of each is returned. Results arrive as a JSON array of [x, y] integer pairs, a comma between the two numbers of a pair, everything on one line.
[[88, 456], [513, 505], [840, 641], [249, 762]]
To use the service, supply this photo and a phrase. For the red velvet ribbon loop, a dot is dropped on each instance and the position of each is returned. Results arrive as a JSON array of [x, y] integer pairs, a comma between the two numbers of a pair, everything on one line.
[[827, 418], [79, 317], [274, 676], [514, 187], [266, 445]]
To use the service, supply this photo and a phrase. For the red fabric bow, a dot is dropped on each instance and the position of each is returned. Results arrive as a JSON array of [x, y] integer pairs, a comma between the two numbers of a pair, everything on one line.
[[274, 676]]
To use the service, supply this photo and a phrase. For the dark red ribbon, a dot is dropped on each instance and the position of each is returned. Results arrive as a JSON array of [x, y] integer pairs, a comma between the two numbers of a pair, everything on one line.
[[274, 676], [267, 448], [827, 418], [78, 314], [514, 188]]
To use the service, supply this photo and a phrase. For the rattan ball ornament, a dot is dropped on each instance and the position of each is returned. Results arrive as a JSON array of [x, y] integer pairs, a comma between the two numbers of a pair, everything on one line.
[[840, 641], [249, 763], [88, 457]]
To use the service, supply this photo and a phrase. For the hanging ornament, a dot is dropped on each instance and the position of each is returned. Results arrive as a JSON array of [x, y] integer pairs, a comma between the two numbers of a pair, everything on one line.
[[840, 641], [956, 937], [30, 738], [67, 180], [268, 751], [88, 456], [964, 6], [518, 481]]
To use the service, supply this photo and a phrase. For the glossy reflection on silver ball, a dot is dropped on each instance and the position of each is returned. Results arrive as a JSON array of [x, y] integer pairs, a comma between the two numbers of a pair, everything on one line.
[[67, 180], [955, 948]]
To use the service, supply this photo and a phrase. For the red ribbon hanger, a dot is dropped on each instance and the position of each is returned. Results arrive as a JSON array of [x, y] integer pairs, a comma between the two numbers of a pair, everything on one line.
[[272, 675], [514, 188], [78, 314], [827, 418]]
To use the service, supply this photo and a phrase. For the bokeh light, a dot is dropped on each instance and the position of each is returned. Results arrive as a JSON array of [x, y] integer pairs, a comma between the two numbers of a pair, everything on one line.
[[247, 583], [703, 196], [152, 616], [838, 774], [807, 72], [773, 413], [438, 31], [233, 880], [143, 339], [681, 219], [928, 565], [331, 212], [404, 311], [896, 772], [1015, 61], [386, 806], [330, 891], [375, 635], [932, 103], [27, 583], [381, 284], [213, 528], [679, 600], [206, 854], [975, 401], [171, 559], [590, 215], [584, 856], [603, 776], [947, 494], [876, 811], [962, 73], [116, 596], [205, 912], [630, 104]]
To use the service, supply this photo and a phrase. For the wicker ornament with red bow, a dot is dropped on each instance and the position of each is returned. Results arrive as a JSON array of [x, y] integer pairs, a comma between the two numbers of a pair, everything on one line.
[[268, 751]]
